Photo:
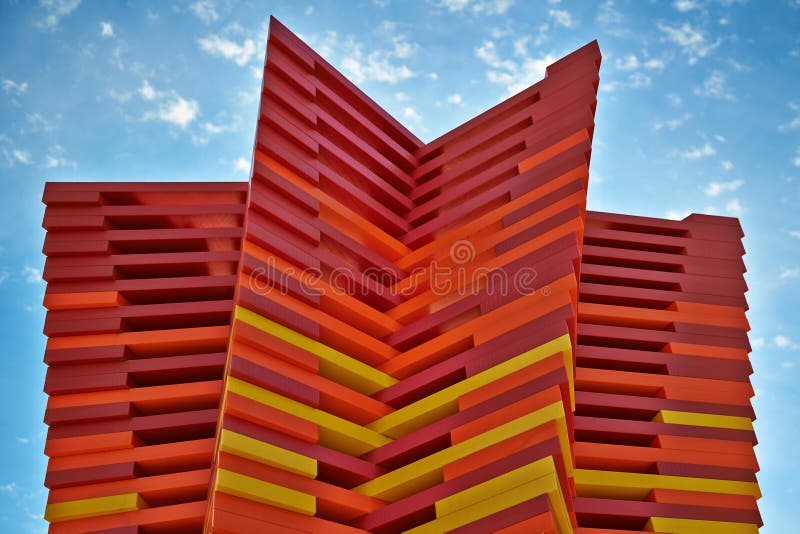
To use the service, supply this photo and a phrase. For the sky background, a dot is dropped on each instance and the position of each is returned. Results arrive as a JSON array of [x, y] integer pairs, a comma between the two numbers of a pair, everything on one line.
[[699, 111]]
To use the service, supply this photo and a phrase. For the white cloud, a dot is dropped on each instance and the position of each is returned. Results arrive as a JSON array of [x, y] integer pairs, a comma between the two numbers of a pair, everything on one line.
[[714, 87], [147, 92], [378, 65], [783, 342], [455, 99], [694, 153], [241, 165], [433, 76], [486, 7], [611, 19], [757, 343], [654, 64], [400, 96], [734, 207], [205, 11], [22, 156], [120, 96], [514, 74], [727, 165], [796, 160], [724, 21], [685, 5], [628, 62], [674, 99], [561, 17], [309, 11], [106, 29], [673, 124], [795, 233], [55, 10], [638, 80], [32, 275], [10, 488], [411, 114], [714, 189], [739, 67], [788, 273], [56, 158], [219, 46], [692, 43], [794, 122], [177, 111], [10, 86], [39, 123], [678, 215]]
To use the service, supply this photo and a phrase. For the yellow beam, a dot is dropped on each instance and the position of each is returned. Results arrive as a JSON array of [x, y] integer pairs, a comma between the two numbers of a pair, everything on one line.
[[268, 454], [264, 492]]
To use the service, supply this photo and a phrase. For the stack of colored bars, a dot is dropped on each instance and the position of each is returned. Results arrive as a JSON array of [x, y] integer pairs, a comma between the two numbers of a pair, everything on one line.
[[380, 335]]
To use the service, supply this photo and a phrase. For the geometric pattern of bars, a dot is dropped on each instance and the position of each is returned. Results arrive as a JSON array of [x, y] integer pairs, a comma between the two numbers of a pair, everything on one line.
[[381, 335]]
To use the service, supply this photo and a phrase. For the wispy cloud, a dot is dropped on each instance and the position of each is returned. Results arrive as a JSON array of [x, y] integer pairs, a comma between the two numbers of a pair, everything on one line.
[[784, 342], [691, 41], [230, 50], [516, 73], [241, 165], [734, 207], [32, 275], [21, 156], [478, 7], [694, 153], [106, 29], [726, 165], [562, 17], [714, 189], [455, 98], [672, 124], [380, 65], [685, 6], [787, 273], [205, 10], [10, 86], [794, 122], [54, 11], [715, 86]]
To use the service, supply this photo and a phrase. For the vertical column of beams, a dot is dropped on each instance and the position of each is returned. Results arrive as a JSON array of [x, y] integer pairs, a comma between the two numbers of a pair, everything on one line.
[[664, 440], [139, 294]]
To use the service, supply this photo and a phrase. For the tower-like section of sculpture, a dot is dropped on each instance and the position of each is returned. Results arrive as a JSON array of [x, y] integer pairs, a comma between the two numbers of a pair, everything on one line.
[[402, 348], [389, 336]]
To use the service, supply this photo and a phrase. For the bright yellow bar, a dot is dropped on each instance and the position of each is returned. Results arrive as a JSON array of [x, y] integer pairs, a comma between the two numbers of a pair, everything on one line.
[[427, 471], [334, 432], [268, 454], [445, 402], [264, 492], [333, 364], [694, 526], [113, 504], [703, 419], [547, 484], [495, 486], [636, 486]]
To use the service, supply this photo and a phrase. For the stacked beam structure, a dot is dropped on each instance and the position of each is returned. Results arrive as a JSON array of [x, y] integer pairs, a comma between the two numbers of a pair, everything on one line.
[[663, 421], [381, 335], [140, 282]]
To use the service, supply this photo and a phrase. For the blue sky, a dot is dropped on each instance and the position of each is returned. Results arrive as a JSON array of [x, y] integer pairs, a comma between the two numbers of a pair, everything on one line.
[[699, 110]]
